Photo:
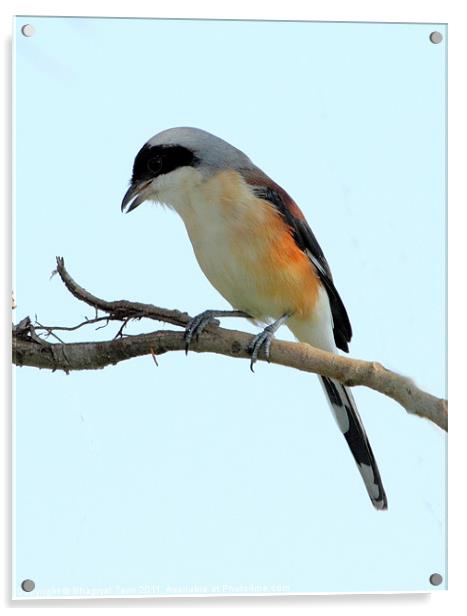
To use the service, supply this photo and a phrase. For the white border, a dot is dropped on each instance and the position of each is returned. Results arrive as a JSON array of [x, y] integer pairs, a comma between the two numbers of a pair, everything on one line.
[[450, 11]]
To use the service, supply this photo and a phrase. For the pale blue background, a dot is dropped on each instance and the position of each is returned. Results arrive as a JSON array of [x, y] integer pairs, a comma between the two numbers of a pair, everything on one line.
[[198, 476]]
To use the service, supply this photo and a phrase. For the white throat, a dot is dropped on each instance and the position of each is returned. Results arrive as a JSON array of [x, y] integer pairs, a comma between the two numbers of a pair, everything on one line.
[[177, 189]]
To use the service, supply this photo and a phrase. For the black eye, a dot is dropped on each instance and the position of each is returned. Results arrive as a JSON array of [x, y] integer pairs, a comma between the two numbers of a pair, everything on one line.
[[154, 164]]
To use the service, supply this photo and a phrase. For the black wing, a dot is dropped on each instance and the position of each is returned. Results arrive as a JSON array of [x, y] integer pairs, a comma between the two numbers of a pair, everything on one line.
[[306, 241]]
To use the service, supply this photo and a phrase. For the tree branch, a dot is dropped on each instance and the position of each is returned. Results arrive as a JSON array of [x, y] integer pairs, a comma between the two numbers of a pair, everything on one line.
[[31, 350]]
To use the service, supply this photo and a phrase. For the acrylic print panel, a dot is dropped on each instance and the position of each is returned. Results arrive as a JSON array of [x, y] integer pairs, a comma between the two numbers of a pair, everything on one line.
[[197, 476]]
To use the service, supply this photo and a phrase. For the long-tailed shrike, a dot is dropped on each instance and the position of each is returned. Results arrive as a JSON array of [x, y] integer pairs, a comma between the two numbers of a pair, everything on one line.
[[254, 245]]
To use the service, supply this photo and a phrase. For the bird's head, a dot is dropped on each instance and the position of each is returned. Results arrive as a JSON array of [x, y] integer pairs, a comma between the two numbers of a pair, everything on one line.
[[175, 160]]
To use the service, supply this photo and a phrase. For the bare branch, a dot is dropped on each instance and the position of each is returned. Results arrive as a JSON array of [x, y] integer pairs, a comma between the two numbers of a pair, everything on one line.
[[120, 307], [30, 350]]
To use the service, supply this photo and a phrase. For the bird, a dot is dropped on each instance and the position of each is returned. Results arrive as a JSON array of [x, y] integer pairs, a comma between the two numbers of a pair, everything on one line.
[[256, 248]]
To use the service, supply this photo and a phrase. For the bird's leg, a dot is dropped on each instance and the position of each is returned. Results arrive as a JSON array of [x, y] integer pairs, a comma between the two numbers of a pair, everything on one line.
[[198, 323], [264, 338]]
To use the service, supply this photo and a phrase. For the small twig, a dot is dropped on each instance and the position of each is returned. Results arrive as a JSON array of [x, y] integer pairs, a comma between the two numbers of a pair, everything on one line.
[[119, 334], [107, 321], [72, 328], [49, 331], [154, 356]]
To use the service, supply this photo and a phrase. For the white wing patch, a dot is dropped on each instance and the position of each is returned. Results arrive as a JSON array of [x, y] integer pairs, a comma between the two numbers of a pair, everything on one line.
[[369, 478], [315, 262], [342, 417]]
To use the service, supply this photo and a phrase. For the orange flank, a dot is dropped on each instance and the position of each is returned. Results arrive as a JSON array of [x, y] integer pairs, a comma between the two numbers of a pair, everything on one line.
[[278, 274], [284, 272]]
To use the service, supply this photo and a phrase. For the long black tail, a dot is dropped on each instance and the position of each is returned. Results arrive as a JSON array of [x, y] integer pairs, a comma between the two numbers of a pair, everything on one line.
[[347, 417]]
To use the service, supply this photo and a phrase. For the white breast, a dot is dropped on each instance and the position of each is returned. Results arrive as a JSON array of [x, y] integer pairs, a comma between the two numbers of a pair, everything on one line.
[[222, 224]]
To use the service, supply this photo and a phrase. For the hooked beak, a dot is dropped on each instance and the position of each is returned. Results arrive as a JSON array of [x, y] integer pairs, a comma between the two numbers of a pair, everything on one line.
[[134, 196]]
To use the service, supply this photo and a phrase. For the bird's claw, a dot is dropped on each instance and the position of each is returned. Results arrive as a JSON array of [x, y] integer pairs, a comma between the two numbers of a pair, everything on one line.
[[197, 325], [263, 339]]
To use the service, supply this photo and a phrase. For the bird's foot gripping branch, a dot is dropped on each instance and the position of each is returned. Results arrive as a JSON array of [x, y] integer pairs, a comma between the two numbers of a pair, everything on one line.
[[31, 347]]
